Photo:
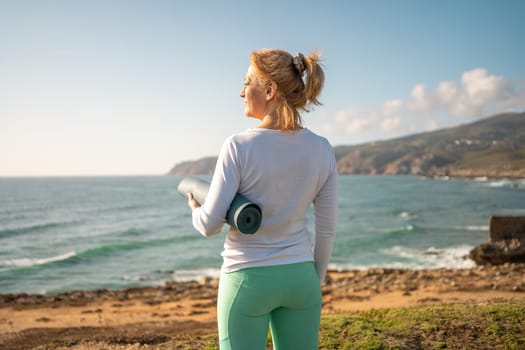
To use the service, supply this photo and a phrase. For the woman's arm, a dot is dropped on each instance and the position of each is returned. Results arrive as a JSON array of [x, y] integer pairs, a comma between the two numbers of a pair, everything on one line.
[[325, 214], [209, 217]]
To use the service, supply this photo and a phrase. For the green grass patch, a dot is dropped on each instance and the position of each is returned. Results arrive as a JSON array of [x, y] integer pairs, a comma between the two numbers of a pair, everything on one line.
[[497, 325], [453, 326]]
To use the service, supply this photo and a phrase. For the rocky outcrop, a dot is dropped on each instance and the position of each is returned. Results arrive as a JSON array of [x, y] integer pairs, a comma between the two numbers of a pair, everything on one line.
[[498, 253], [506, 242]]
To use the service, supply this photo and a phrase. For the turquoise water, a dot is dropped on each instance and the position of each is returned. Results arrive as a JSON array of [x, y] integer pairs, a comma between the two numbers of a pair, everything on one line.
[[60, 234]]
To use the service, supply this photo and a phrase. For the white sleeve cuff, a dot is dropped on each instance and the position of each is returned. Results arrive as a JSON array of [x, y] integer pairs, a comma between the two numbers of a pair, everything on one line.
[[322, 254]]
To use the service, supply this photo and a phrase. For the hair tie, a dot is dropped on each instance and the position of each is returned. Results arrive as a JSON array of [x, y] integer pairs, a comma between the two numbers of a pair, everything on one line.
[[299, 63]]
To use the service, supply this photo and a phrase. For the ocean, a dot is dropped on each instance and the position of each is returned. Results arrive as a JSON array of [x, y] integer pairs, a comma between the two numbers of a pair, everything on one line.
[[68, 233]]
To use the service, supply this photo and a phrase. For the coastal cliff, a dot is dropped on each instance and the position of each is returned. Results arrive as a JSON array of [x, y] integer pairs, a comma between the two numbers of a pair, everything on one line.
[[492, 147]]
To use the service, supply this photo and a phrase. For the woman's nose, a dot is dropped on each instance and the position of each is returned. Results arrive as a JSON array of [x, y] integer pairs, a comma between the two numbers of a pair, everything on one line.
[[242, 93]]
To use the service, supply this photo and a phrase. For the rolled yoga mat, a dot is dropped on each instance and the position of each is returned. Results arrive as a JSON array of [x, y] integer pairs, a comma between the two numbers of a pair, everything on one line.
[[243, 214]]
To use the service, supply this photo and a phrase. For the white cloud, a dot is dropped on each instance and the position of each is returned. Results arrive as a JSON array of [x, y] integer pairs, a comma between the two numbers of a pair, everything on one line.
[[447, 92], [356, 125], [481, 87], [390, 124], [514, 101], [478, 91], [392, 106], [352, 120], [420, 100], [343, 116], [475, 94]]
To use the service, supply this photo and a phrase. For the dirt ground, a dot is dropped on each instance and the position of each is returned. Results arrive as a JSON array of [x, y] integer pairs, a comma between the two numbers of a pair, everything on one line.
[[177, 313]]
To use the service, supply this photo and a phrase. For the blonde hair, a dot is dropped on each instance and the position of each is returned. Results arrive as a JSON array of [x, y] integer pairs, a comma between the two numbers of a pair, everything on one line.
[[293, 93]]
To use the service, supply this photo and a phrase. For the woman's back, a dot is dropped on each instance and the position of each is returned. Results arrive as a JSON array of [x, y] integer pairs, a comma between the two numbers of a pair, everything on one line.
[[282, 172]]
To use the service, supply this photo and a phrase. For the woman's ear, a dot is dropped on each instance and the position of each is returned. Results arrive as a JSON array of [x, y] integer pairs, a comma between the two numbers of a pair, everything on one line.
[[271, 91]]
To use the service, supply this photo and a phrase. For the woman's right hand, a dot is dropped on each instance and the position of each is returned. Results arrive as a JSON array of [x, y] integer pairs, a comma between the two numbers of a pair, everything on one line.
[[192, 202]]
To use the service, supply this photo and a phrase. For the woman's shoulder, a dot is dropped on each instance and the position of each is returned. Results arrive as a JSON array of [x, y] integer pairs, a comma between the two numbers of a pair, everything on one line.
[[241, 136], [238, 139], [252, 134], [269, 135], [316, 137]]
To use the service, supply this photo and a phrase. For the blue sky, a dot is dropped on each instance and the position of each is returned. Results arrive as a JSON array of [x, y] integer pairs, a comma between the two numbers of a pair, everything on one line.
[[133, 87]]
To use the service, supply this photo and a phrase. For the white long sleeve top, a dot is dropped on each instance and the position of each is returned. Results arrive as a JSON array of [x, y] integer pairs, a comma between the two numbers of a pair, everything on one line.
[[284, 173]]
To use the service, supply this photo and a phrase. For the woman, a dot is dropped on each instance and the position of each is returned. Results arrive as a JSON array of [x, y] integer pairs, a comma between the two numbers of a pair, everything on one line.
[[273, 277]]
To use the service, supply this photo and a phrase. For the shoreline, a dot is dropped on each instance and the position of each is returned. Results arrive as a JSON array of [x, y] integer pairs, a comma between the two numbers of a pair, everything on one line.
[[152, 315]]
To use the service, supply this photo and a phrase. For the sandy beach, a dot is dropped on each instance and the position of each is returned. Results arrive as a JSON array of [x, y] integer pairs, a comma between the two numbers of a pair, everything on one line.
[[177, 313]]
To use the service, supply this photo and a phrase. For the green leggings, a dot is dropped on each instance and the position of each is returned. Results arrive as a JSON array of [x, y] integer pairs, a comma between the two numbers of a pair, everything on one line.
[[286, 297]]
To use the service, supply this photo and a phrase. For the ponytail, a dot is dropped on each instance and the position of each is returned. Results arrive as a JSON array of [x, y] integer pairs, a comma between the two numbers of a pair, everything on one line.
[[314, 79]]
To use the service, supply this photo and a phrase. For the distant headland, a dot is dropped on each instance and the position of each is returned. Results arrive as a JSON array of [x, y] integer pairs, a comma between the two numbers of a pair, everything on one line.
[[493, 147]]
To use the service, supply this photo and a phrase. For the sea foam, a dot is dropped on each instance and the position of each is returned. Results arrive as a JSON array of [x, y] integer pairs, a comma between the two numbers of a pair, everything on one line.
[[450, 257], [28, 262]]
